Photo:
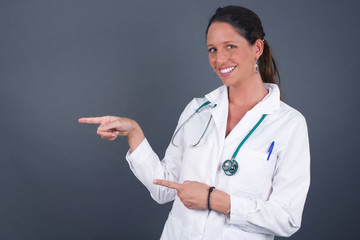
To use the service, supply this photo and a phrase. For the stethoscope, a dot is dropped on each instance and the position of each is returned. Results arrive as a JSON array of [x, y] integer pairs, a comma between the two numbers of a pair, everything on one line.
[[187, 120], [229, 166]]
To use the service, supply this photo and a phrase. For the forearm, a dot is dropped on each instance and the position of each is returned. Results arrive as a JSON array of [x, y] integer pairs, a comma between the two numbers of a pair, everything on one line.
[[135, 136]]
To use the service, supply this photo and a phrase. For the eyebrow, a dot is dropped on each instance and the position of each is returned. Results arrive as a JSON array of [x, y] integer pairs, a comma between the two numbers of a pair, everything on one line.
[[223, 42]]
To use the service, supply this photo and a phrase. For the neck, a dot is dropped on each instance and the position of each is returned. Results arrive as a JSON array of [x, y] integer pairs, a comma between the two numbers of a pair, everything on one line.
[[248, 94]]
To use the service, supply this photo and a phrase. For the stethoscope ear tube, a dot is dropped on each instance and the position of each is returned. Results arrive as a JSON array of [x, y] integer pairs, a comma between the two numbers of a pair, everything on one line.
[[176, 132], [207, 125], [187, 120]]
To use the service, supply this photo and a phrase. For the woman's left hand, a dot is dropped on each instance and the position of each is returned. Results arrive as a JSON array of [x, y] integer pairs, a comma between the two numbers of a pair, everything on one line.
[[194, 195]]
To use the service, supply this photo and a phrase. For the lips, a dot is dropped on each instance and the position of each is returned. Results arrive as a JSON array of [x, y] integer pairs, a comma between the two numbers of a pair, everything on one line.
[[226, 71]]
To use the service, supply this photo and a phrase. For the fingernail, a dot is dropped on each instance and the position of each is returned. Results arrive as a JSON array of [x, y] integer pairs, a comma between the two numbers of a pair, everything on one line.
[[155, 181]]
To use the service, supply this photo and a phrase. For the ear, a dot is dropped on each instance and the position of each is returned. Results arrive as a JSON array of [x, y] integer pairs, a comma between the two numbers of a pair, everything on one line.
[[258, 48]]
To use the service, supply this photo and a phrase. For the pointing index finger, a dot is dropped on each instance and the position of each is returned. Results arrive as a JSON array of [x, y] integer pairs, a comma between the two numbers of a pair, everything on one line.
[[91, 120], [167, 183]]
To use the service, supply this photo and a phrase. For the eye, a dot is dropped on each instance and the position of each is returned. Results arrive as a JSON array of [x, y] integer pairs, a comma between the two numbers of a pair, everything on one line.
[[212, 50], [230, 47]]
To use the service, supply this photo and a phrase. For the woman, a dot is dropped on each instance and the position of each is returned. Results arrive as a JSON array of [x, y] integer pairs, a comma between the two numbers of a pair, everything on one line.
[[238, 165]]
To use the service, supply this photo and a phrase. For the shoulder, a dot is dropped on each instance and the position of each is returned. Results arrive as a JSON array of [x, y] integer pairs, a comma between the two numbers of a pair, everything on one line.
[[290, 111], [290, 116], [278, 110]]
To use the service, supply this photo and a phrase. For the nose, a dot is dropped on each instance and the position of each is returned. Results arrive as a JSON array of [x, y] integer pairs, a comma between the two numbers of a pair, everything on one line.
[[221, 57]]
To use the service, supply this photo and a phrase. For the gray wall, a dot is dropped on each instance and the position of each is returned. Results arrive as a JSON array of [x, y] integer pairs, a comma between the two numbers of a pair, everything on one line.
[[60, 60]]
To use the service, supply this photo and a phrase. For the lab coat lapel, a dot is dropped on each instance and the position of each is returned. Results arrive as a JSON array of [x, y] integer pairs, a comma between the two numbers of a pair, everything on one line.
[[219, 97], [243, 127], [270, 103]]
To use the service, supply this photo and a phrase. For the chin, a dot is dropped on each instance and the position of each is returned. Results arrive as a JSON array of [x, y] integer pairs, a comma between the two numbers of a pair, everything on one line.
[[227, 82]]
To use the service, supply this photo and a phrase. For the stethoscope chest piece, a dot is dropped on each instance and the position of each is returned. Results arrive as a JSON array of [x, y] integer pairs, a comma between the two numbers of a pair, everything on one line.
[[230, 167]]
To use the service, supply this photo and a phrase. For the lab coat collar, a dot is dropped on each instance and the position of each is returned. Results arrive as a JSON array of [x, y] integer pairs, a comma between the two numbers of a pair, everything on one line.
[[219, 96], [270, 102], [267, 105]]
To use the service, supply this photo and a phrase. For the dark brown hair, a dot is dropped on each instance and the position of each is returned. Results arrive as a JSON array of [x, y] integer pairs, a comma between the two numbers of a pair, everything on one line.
[[248, 25]]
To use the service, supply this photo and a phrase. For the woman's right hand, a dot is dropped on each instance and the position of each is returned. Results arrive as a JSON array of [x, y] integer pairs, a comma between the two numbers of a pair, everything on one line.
[[111, 127]]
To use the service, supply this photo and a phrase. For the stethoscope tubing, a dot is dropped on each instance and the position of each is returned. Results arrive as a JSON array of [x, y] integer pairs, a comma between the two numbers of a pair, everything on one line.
[[187, 120], [247, 136], [207, 126]]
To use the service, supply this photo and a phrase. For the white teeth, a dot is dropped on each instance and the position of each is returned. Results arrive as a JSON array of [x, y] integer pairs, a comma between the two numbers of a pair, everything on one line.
[[226, 70]]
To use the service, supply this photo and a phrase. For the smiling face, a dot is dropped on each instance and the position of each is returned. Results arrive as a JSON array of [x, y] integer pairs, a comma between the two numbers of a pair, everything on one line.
[[230, 54]]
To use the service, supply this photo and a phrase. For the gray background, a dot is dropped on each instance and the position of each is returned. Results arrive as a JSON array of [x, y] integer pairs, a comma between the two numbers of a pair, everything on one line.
[[60, 60]]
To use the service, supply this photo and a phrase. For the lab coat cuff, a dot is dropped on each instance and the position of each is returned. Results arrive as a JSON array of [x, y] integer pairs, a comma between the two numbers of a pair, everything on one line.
[[139, 155], [240, 209]]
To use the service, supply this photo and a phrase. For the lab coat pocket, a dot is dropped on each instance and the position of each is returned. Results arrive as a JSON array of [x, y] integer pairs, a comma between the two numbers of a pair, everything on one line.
[[251, 174]]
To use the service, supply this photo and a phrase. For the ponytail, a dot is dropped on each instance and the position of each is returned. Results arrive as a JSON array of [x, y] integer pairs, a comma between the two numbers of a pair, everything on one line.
[[268, 69]]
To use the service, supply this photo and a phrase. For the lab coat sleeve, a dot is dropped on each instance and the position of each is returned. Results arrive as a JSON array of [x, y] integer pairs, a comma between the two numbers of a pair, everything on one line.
[[146, 165], [281, 214]]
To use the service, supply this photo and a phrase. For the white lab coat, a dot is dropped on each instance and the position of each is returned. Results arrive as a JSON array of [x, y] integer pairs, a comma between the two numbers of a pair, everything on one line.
[[267, 196]]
